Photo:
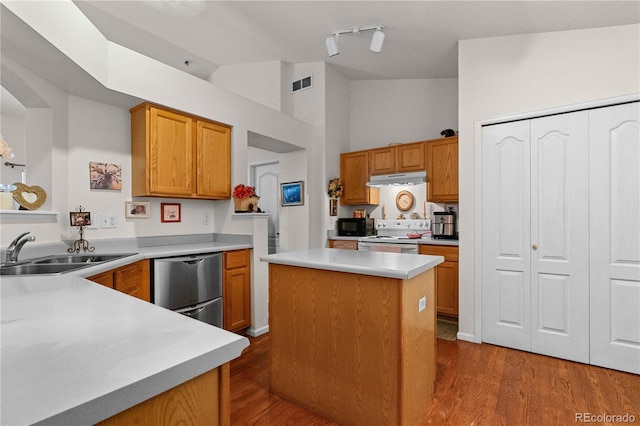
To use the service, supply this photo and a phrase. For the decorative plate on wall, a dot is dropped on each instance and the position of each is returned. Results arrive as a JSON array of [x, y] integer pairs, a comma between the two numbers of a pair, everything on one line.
[[405, 201]]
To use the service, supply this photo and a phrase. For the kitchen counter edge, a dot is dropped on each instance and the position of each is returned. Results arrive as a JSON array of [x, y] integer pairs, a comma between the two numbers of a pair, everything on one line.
[[388, 265]]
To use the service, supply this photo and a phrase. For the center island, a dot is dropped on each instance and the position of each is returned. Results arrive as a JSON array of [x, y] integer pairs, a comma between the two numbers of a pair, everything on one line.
[[352, 333]]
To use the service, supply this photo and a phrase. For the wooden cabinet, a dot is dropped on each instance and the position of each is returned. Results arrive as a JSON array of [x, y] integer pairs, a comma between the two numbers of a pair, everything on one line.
[[174, 154], [236, 290], [382, 161], [408, 157], [133, 279], [354, 173], [344, 244], [207, 397], [446, 278], [442, 170]]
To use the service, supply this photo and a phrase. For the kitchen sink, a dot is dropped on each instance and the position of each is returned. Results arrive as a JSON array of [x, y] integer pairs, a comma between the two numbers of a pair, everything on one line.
[[58, 264], [40, 268]]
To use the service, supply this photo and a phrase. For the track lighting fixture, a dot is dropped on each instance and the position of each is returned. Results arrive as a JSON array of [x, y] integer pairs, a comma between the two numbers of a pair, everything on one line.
[[376, 41]]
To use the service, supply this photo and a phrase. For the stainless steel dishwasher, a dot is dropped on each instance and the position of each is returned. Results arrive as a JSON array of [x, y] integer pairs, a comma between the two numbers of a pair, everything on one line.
[[190, 285]]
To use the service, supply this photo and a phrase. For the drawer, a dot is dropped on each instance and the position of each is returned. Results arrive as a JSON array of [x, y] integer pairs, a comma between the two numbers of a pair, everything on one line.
[[236, 259], [450, 253]]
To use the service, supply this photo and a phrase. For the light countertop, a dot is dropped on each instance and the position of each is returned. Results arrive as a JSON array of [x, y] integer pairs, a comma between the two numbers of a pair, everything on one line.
[[390, 265], [74, 352]]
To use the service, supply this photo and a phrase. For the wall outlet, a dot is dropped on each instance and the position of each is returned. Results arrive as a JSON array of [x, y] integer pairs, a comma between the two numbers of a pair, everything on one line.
[[206, 218], [422, 304], [108, 221]]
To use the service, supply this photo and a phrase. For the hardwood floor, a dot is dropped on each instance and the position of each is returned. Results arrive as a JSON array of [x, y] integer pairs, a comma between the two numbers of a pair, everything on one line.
[[476, 385]]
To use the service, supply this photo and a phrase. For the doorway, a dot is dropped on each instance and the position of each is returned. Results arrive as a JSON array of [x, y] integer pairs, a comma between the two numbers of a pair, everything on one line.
[[265, 179]]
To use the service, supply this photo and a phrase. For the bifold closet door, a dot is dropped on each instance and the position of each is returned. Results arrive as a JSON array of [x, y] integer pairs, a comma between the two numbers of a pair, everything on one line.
[[615, 237], [535, 235], [506, 254]]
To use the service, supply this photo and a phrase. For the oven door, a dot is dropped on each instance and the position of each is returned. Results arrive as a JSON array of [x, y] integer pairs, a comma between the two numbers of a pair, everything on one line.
[[388, 247]]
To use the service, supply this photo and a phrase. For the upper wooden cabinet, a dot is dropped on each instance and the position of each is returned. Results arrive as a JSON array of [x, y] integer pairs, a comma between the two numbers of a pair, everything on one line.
[[174, 154], [408, 157], [442, 170], [354, 173]]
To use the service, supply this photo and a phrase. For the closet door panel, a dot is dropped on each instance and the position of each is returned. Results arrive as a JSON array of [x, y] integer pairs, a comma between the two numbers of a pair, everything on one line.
[[505, 235], [560, 236], [615, 237]]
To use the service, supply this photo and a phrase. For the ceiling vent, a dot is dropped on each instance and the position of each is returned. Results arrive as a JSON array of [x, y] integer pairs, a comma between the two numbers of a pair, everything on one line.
[[302, 84]]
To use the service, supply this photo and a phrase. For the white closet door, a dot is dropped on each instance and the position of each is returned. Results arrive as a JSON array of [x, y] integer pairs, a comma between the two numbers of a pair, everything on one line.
[[560, 236], [505, 235], [615, 237]]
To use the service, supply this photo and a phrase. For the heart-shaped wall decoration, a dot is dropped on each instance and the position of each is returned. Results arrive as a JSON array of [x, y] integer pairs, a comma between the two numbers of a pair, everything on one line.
[[29, 197]]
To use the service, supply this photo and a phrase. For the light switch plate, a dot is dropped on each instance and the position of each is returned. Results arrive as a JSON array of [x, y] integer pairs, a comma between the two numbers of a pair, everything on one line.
[[422, 304], [206, 218], [108, 221]]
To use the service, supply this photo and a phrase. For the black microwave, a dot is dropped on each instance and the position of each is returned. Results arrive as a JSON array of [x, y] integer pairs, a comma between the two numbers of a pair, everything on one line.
[[356, 227]]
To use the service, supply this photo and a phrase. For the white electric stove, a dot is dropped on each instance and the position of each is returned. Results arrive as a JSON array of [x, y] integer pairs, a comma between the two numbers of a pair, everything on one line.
[[396, 236]]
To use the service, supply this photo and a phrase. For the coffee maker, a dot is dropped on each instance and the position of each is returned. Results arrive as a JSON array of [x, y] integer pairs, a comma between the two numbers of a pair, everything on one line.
[[444, 225]]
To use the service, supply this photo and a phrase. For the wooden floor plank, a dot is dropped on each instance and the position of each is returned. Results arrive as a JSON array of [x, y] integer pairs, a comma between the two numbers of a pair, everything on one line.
[[476, 385]]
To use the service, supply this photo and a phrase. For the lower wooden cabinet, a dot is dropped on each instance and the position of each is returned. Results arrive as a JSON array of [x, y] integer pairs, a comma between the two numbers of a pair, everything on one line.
[[236, 291], [132, 279], [446, 278], [202, 400], [344, 244]]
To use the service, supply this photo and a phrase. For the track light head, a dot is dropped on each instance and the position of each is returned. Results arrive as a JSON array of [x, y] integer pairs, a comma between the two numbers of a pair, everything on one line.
[[377, 40], [332, 45]]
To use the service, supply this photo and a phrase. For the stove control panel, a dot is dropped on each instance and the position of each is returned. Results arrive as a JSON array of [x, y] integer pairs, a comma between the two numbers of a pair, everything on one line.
[[417, 224]]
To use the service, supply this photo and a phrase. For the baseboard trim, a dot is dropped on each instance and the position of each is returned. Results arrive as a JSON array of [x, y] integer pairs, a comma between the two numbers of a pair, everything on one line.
[[466, 337], [255, 332]]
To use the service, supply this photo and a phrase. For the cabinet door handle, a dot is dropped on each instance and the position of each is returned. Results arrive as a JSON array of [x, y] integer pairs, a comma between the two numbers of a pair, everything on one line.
[[534, 246]]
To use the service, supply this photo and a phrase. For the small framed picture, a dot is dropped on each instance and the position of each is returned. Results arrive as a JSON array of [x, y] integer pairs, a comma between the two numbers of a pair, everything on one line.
[[137, 209], [80, 218], [333, 207], [292, 194], [170, 212], [360, 213]]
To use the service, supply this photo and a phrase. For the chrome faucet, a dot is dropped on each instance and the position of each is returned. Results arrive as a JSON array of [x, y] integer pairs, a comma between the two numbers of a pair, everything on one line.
[[14, 248]]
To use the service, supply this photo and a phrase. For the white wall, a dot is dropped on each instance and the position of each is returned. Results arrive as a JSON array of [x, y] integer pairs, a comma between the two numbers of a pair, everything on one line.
[[507, 75], [257, 81], [388, 111]]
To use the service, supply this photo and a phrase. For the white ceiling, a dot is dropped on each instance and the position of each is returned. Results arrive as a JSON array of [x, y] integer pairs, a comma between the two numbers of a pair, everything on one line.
[[421, 36]]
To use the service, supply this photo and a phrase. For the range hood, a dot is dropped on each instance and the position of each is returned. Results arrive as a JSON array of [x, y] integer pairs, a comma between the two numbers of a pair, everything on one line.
[[413, 178]]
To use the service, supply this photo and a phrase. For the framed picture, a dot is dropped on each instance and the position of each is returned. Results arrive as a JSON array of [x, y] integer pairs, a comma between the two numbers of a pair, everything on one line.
[[170, 212], [360, 213], [292, 194], [333, 207], [105, 176], [137, 209], [80, 218]]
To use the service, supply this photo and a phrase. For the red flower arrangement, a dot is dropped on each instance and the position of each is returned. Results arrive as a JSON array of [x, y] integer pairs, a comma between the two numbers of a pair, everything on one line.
[[243, 191]]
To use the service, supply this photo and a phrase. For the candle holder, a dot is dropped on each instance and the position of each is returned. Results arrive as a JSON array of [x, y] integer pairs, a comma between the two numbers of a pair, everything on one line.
[[80, 219]]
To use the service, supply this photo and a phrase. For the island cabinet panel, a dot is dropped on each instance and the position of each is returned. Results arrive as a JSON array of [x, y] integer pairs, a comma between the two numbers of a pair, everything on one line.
[[237, 290], [354, 173], [353, 348], [442, 170], [344, 244], [174, 154], [133, 279], [203, 400]]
